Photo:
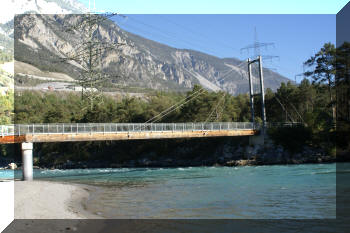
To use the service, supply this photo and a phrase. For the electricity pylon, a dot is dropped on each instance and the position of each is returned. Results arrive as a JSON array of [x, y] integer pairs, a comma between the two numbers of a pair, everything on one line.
[[89, 54], [256, 47]]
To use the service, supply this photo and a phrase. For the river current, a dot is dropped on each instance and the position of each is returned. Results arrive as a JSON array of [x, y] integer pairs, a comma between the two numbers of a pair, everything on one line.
[[305, 191]]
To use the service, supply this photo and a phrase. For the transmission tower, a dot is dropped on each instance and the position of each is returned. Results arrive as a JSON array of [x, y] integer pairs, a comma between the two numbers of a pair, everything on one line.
[[256, 47], [88, 54]]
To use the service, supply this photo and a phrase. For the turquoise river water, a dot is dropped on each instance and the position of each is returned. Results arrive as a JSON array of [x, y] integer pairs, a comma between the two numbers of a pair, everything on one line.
[[305, 191]]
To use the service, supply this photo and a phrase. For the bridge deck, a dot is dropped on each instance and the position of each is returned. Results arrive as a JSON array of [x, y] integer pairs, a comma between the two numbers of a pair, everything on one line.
[[102, 132], [68, 137]]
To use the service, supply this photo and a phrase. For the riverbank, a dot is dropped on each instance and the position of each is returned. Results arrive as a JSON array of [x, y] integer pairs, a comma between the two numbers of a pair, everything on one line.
[[50, 200], [225, 154]]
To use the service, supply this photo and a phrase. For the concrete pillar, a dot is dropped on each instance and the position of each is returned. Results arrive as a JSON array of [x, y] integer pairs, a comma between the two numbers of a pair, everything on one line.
[[27, 161]]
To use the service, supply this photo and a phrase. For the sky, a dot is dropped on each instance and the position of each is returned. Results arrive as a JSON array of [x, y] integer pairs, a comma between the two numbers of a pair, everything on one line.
[[220, 6], [296, 37]]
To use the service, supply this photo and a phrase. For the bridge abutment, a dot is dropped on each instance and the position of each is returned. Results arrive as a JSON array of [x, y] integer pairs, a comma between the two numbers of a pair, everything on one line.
[[257, 139], [27, 161]]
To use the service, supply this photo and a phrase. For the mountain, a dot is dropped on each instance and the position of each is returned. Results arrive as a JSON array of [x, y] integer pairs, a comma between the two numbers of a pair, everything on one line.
[[41, 39], [12, 7], [35, 6]]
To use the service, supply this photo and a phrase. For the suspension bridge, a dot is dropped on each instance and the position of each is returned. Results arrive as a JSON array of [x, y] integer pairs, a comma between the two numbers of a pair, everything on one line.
[[27, 134], [121, 131]]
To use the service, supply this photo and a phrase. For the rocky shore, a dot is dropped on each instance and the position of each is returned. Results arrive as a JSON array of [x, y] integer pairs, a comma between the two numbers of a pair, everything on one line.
[[227, 155]]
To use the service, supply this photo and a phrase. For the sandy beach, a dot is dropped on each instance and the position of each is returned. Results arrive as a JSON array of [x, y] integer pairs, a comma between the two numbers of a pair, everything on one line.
[[43, 206], [49, 200]]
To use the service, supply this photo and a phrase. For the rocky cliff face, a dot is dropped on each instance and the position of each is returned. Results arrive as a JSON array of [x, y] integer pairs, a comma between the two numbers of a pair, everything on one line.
[[41, 39]]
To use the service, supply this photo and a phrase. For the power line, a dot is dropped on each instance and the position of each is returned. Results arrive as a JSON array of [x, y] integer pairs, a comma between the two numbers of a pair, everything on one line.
[[170, 35], [223, 44]]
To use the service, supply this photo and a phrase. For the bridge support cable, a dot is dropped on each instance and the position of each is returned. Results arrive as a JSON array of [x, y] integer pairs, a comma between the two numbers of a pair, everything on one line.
[[172, 110], [285, 110], [287, 101], [180, 103], [240, 65], [216, 108], [175, 107]]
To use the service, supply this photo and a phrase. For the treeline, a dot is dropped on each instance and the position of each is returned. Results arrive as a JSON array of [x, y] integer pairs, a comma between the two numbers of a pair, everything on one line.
[[194, 106], [303, 103]]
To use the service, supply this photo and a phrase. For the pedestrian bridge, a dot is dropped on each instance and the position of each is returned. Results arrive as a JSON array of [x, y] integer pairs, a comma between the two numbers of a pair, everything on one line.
[[121, 131], [27, 134]]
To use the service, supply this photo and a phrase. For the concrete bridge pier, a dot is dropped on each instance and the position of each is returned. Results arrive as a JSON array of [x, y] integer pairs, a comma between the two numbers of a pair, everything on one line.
[[27, 161]]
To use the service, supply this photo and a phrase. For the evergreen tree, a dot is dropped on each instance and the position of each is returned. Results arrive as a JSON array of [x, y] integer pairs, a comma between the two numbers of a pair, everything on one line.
[[324, 70]]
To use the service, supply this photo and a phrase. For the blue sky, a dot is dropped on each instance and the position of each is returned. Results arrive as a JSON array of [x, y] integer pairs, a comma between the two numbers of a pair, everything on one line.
[[296, 36], [220, 6]]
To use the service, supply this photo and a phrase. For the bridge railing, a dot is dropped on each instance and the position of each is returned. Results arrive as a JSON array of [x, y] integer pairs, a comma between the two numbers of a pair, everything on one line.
[[69, 128]]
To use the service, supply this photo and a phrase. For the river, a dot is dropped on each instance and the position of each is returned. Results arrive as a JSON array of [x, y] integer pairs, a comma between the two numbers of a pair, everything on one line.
[[306, 191]]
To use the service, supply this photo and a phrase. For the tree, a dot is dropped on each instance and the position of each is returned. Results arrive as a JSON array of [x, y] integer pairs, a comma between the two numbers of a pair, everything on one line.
[[323, 64], [343, 82]]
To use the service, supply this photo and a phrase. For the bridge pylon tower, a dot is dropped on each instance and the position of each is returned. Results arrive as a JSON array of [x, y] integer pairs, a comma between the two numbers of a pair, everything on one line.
[[262, 91]]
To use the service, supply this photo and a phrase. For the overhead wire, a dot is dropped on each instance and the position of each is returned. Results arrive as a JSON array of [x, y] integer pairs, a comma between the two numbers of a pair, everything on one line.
[[170, 35], [221, 43]]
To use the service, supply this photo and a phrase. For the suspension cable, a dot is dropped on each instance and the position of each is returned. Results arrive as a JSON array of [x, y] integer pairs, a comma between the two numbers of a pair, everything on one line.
[[216, 107], [174, 105], [170, 111]]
